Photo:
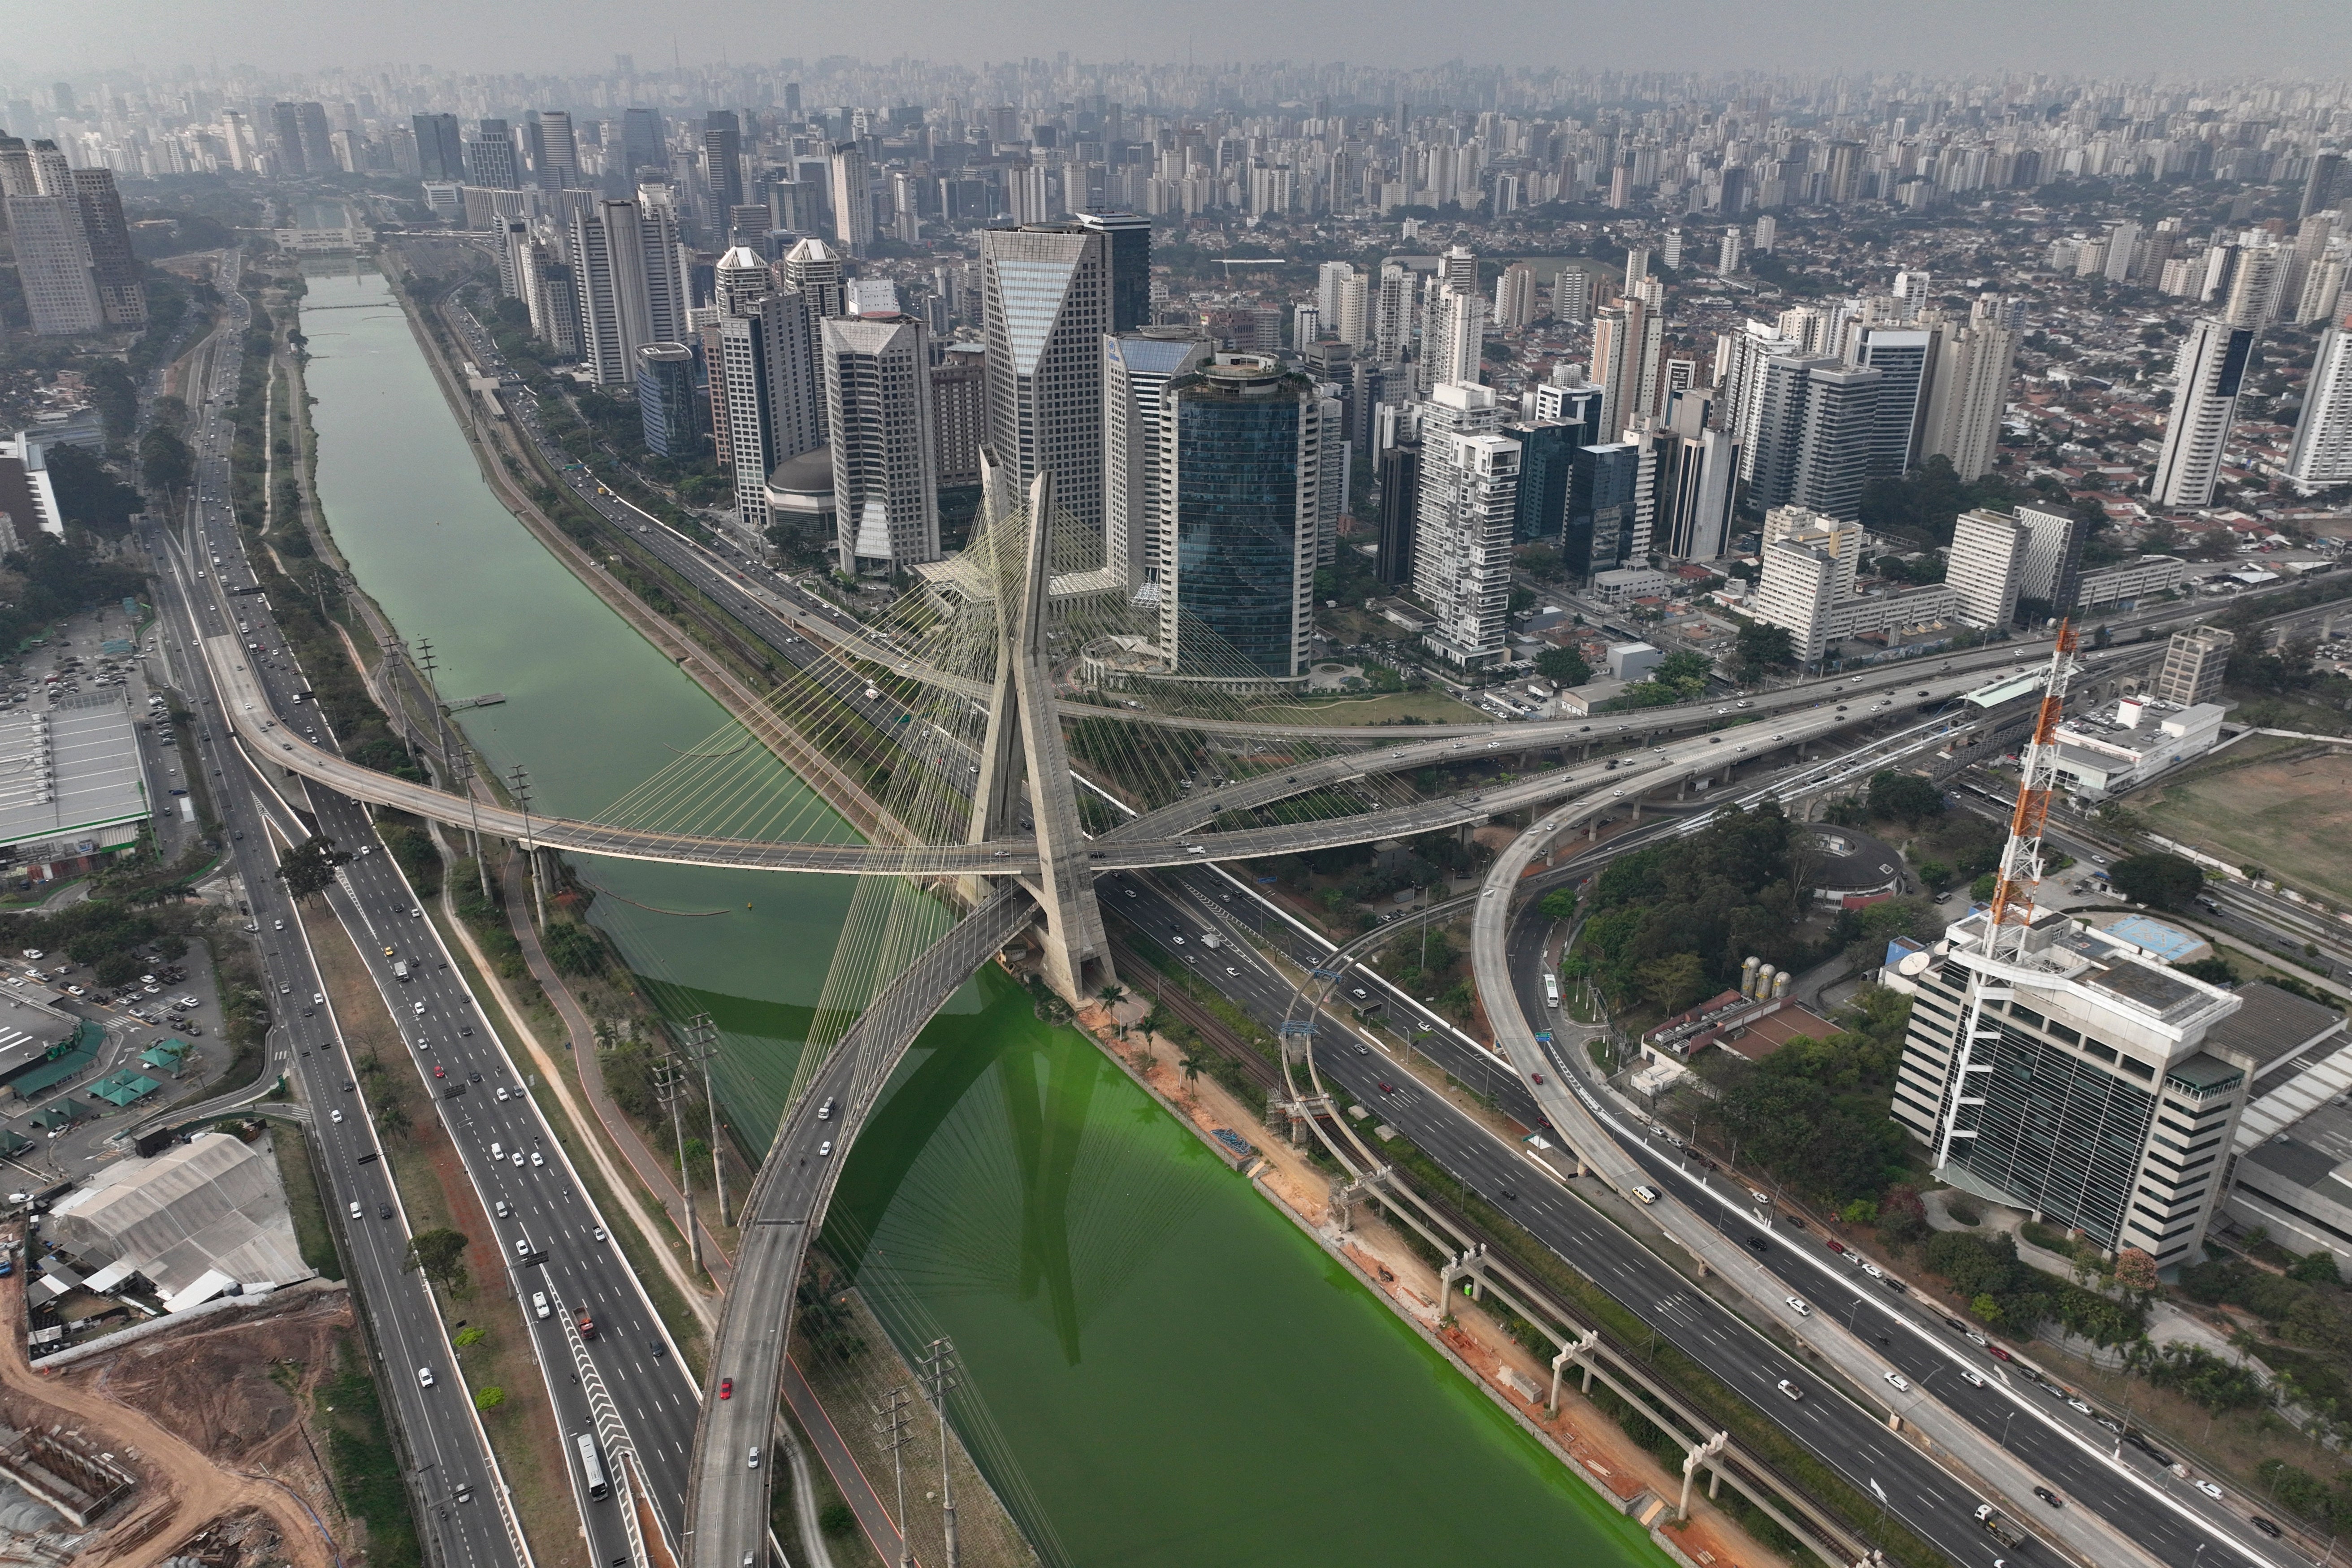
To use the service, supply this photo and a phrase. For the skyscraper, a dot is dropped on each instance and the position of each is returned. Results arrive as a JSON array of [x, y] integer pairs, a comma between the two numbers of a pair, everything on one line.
[[643, 145], [723, 162], [1618, 334], [1393, 314], [561, 145], [2207, 377], [1452, 352], [1777, 405], [1902, 356], [2321, 450], [1045, 306], [1604, 495], [768, 373], [440, 150], [1466, 512], [666, 406], [877, 395], [317, 144], [1129, 237], [490, 158], [2051, 569], [1137, 368], [1241, 464], [1400, 477], [852, 200], [53, 265], [1841, 439], [632, 292], [1697, 466], [1967, 394], [1515, 297], [285, 128], [122, 295], [813, 268]]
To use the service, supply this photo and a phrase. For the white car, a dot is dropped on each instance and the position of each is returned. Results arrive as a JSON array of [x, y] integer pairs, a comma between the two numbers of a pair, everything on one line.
[[1899, 1382], [338, 1117], [1799, 1306], [538, 1304], [1873, 1270], [424, 1377], [2210, 1490], [537, 1159], [1974, 1380]]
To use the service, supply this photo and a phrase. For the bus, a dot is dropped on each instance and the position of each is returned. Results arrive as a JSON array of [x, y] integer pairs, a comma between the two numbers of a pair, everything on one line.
[[592, 1465], [1551, 990]]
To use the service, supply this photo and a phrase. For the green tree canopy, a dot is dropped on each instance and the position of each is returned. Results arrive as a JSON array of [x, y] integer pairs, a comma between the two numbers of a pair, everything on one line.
[[1763, 648], [440, 1255], [1904, 798], [2161, 881], [1564, 665], [310, 866]]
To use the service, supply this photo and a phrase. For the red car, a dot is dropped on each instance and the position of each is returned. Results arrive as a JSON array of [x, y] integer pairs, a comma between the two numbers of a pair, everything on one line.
[[1536, 1075], [1388, 1089], [1837, 1246], [1998, 1353], [726, 1388], [437, 1072]]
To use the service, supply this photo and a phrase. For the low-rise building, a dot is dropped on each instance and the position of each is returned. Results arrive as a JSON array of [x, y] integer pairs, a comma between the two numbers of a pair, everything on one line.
[[72, 784], [1627, 583], [2122, 746], [2127, 582]]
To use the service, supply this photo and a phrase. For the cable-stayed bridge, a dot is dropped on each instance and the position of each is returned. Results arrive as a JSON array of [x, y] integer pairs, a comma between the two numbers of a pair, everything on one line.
[[1000, 797]]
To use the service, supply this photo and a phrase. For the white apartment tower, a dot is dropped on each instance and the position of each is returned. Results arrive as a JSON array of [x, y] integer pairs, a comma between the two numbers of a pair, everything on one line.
[[2321, 451], [1045, 296], [1968, 393], [877, 403], [1464, 515], [1983, 567], [2206, 381], [1137, 368]]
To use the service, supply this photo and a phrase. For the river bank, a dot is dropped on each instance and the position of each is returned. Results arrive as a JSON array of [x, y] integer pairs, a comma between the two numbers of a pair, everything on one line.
[[1155, 1361]]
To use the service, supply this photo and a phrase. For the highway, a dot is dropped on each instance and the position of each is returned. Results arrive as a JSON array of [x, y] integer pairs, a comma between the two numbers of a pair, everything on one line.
[[527, 1191], [462, 1509]]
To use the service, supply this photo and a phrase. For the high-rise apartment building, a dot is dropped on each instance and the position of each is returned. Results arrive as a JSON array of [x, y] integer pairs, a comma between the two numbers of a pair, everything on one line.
[[2321, 453], [2195, 661], [632, 288], [1809, 563], [722, 161], [877, 397], [286, 135], [1968, 393], [1515, 297], [114, 270], [2074, 1077], [1138, 367], [853, 199], [1467, 509], [1458, 329], [1695, 466], [53, 265], [766, 372], [1045, 302], [1239, 492], [1393, 314], [813, 270], [1619, 332], [1571, 295], [1982, 568], [2207, 378]]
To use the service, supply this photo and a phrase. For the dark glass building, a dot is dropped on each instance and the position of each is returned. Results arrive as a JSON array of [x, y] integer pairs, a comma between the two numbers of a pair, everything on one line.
[[1603, 485], [1241, 444], [1399, 505], [666, 400]]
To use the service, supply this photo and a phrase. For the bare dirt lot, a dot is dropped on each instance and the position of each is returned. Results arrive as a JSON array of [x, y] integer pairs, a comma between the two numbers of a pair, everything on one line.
[[2281, 805], [208, 1421]]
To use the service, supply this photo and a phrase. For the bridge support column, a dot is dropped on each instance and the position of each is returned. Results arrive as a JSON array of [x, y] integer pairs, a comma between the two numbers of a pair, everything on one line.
[[1023, 754], [1700, 1455], [1578, 1353]]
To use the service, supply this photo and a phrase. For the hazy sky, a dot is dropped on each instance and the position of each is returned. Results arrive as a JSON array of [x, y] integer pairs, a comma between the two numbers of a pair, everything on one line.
[[2173, 37]]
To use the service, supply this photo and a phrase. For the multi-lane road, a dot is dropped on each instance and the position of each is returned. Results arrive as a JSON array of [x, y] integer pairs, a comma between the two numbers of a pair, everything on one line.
[[548, 1234]]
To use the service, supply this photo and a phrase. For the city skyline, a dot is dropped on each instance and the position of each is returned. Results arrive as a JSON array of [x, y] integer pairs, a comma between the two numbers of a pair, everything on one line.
[[2172, 39]]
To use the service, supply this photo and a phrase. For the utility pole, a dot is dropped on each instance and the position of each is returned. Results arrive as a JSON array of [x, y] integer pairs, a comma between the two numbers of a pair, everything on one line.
[[890, 1430], [940, 1365], [518, 782], [462, 776], [394, 651], [666, 1089], [702, 1045]]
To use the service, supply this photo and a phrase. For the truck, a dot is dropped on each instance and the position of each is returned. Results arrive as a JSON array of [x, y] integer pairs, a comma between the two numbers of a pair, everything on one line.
[[587, 1325], [1211, 940], [1999, 1529], [400, 969]]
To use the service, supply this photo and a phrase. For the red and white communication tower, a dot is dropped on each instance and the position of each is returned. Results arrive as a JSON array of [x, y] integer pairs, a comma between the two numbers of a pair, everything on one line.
[[2003, 942], [2021, 858]]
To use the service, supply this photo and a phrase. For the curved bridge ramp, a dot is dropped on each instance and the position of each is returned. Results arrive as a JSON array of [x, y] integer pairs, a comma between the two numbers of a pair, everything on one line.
[[727, 1509]]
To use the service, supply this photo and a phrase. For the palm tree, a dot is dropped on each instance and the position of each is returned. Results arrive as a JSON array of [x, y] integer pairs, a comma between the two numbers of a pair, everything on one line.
[[1111, 995], [1156, 1021], [1190, 1063]]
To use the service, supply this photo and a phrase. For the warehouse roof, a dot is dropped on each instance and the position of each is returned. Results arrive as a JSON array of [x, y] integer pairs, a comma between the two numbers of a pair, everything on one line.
[[68, 774]]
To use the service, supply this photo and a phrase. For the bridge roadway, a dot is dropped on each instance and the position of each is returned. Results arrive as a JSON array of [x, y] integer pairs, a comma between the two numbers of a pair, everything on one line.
[[251, 713], [727, 1507]]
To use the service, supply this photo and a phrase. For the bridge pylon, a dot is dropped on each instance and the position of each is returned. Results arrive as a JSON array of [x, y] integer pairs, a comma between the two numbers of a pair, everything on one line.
[[1024, 755]]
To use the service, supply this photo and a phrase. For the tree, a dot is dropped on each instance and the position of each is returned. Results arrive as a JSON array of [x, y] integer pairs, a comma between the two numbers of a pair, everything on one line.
[[1191, 1061], [1984, 1309], [1762, 649], [1904, 798], [1564, 665], [2161, 881], [440, 1255], [310, 866], [1111, 995], [1901, 1215], [573, 949], [1934, 874], [489, 1396], [2135, 1271], [1673, 983], [1559, 904], [89, 493], [165, 462]]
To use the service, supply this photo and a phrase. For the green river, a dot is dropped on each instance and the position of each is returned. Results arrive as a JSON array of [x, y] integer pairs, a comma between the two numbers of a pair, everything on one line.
[[1169, 1373]]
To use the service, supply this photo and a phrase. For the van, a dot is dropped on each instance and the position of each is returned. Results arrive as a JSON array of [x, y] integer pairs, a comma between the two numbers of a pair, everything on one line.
[[538, 1306], [1647, 1194], [400, 969], [355, 1211]]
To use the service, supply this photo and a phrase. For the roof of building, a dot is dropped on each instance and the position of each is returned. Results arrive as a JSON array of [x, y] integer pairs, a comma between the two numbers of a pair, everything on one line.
[[1760, 1038], [2272, 1024], [1855, 862], [2155, 939], [69, 772], [2008, 690], [810, 473], [210, 1206]]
